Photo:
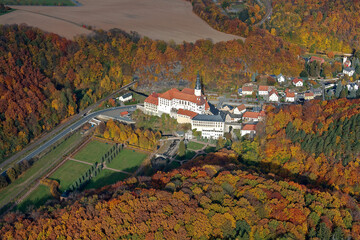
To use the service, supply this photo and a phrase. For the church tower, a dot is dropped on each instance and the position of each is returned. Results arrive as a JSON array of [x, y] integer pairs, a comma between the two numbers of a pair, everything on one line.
[[198, 86]]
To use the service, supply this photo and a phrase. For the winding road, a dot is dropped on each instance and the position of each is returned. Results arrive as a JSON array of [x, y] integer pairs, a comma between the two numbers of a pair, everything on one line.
[[72, 124]]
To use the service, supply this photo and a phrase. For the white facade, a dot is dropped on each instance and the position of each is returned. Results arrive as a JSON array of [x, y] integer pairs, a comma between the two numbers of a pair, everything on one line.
[[151, 108], [165, 105], [239, 111], [290, 99], [280, 78], [273, 97], [209, 129], [263, 93], [352, 86], [247, 92], [349, 71], [298, 83], [244, 132], [125, 97]]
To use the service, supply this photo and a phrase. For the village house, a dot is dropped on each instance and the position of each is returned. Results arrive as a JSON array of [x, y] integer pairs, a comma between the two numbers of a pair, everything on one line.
[[251, 117], [231, 117], [126, 97], [349, 71], [290, 97], [247, 90], [227, 108], [280, 78], [352, 87], [298, 82], [248, 129], [239, 109], [124, 114], [309, 95], [263, 90], [273, 96]]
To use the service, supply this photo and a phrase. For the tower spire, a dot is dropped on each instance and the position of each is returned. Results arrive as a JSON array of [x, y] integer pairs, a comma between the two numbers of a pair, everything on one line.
[[198, 86]]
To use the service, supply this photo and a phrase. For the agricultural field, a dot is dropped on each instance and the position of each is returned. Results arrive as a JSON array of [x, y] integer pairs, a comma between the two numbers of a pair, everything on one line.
[[157, 19], [39, 2], [68, 173], [127, 160], [93, 152]]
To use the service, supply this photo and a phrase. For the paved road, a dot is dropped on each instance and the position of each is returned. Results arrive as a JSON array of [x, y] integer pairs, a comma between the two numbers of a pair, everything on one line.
[[268, 13], [70, 122]]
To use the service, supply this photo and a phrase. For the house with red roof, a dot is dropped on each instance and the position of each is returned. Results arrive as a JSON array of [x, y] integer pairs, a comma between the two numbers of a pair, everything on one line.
[[263, 90], [247, 90], [274, 96], [248, 129], [309, 95], [124, 114], [239, 109], [298, 82], [251, 117], [290, 97]]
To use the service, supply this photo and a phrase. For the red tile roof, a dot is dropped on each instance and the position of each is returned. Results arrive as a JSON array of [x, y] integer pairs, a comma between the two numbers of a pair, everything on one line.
[[309, 94], [290, 95], [184, 95], [296, 80], [251, 115], [263, 88], [153, 99], [247, 89], [262, 114], [124, 113], [188, 113], [272, 92], [188, 91], [241, 107], [249, 127]]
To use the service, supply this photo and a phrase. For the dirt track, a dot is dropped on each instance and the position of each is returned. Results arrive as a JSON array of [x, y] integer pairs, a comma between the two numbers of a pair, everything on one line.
[[157, 19]]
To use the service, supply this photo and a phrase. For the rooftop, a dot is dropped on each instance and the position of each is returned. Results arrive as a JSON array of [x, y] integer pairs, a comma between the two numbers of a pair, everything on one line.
[[209, 118], [251, 115], [153, 99], [188, 113], [249, 127]]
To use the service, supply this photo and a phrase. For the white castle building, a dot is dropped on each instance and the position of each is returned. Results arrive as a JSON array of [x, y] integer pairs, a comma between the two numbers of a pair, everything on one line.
[[172, 100], [187, 106]]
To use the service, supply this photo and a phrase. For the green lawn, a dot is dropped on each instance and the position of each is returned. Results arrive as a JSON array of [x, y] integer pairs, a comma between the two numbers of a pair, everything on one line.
[[39, 168], [37, 198], [68, 173], [39, 2], [195, 146], [106, 177], [93, 151], [127, 160]]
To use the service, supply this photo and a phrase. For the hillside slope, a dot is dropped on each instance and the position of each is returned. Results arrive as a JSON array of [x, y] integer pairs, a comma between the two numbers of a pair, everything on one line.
[[199, 202]]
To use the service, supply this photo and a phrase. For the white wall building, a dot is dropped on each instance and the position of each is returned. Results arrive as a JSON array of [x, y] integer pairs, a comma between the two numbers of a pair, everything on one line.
[[298, 82], [239, 109], [263, 90], [280, 78], [349, 71], [126, 97], [273, 96], [290, 97], [210, 126], [248, 129]]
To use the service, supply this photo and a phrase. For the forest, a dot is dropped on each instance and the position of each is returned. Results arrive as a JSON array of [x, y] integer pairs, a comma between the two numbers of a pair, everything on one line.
[[324, 26], [211, 197], [45, 78], [318, 142], [124, 133]]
